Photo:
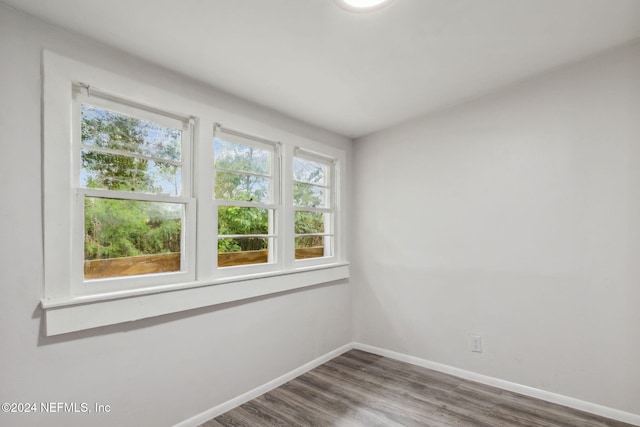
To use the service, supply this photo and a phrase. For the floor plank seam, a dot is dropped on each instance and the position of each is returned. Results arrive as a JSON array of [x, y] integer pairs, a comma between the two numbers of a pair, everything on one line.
[[358, 388]]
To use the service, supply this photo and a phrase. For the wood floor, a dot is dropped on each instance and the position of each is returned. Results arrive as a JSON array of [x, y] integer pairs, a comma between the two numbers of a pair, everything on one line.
[[363, 389]]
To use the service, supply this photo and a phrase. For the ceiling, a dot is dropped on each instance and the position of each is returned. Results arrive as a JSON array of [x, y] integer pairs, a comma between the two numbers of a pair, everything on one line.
[[351, 73]]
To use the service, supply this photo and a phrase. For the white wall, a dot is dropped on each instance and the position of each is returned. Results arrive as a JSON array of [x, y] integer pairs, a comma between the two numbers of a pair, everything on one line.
[[515, 216], [157, 371]]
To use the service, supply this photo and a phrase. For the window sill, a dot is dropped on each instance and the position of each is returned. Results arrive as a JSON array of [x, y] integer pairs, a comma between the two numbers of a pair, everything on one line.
[[65, 315]]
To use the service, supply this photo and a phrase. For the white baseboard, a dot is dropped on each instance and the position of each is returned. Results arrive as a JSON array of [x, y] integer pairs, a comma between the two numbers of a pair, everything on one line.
[[258, 391], [548, 396]]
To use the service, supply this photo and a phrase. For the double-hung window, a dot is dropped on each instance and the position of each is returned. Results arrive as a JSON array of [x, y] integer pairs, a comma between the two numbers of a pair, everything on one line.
[[314, 204], [131, 173], [151, 207], [247, 193]]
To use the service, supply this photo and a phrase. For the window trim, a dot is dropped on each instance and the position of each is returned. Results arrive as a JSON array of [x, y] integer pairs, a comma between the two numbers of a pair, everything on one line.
[[79, 313], [94, 97], [66, 310], [240, 137], [330, 208]]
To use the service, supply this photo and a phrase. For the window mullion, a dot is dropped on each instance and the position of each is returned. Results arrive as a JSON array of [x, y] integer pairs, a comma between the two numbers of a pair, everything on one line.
[[246, 173], [131, 154], [206, 244], [240, 236], [76, 238], [275, 216], [120, 195], [243, 204], [288, 212], [313, 209], [326, 187], [331, 248]]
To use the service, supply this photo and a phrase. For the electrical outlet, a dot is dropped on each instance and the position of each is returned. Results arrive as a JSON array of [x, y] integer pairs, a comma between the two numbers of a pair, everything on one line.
[[476, 343]]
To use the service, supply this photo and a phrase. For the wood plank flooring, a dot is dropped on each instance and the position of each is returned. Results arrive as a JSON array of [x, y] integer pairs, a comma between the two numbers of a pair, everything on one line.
[[363, 389]]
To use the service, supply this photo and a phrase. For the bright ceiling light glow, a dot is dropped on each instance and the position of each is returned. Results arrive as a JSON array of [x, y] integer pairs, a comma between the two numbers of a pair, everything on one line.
[[362, 5]]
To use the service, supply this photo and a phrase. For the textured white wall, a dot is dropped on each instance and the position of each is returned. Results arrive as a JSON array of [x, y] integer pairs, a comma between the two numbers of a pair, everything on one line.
[[515, 216], [154, 372]]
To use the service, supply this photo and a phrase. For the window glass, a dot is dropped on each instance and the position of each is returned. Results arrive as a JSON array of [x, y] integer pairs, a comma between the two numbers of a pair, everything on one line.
[[124, 153], [310, 222], [309, 195], [247, 188], [309, 171], [313, 247], [243, 173], [313, 211], [102, 128], [243, 158], [131, 237]]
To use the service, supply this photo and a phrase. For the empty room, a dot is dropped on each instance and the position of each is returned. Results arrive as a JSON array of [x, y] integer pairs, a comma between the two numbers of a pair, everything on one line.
[[320, 213]]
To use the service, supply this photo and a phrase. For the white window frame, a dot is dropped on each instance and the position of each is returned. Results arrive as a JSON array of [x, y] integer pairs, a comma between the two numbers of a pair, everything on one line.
[[84, 94], [275, 237], [330, 246], [68, 306]]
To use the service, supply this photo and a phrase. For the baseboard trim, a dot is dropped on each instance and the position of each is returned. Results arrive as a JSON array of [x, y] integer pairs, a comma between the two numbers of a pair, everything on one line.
[[260, 390], [548, 396]]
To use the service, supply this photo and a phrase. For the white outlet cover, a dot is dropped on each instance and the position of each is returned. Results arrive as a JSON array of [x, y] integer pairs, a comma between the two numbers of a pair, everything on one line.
[[476, 343]]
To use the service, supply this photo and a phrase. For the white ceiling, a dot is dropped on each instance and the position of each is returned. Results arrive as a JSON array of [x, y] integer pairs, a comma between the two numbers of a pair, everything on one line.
[[351, 73]]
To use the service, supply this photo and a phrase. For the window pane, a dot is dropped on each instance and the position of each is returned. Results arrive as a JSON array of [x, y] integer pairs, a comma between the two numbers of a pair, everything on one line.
[[131, 237], [124, 173], [310, 222], [238, 221], [248, 188], [310, 172], [115, 131], [243, 251], [245, 158], [313, 246], [234, 220], [309, 195]]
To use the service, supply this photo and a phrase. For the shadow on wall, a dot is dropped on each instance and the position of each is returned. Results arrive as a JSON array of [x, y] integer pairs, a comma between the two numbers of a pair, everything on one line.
[[43, 339]]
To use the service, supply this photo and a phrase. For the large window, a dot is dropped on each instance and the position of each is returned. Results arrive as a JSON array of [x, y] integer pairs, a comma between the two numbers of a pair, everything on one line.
[[151, 207], [132, 176]]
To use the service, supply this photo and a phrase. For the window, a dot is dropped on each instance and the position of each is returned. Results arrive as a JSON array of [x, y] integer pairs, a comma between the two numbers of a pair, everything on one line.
[[151, 207], [313, 177], [246, 191], [133, 187]]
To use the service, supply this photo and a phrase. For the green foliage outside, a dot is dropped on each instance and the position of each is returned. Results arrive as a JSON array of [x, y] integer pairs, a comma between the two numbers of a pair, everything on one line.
[[123, 228], [232, 184], [305, 194]]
